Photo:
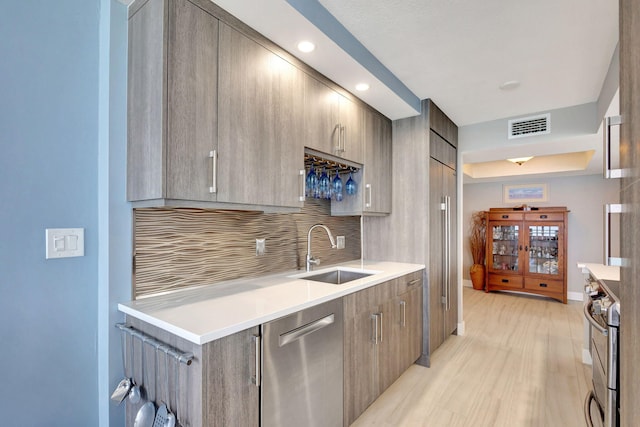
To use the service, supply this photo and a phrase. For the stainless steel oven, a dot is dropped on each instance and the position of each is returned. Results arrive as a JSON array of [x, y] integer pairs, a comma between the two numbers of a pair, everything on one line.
[[602, 311]]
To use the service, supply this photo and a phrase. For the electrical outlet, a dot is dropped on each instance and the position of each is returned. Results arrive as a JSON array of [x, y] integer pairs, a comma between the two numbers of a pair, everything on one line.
[[340, 242], [260, 246]]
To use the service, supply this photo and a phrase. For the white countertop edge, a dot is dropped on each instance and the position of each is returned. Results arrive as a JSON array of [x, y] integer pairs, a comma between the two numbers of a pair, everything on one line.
[[601, 271], [336, 291]]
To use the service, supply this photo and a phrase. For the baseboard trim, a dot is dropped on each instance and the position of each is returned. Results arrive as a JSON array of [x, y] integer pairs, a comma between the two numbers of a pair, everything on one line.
[[460, 330], [575, 296], [467, 283]]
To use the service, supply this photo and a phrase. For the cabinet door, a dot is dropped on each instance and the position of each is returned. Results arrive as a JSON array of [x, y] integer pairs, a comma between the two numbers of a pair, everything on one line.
[[191, 103], [544, 243], [172, 122], [451, 304], [377, 163], [436, 256], [260, 124], [352, 130], [320, 111], [230, 398], [505, 247], [360, 353]]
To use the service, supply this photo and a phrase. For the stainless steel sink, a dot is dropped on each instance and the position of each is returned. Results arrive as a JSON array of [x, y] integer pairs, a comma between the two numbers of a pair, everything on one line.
[[337, 277]]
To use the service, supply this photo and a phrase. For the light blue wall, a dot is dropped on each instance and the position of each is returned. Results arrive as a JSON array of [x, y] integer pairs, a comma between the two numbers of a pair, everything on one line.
[[52, 135]]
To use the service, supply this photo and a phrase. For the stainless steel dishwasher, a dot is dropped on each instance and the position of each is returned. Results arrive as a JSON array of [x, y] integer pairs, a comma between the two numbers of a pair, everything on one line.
[[302, 368]]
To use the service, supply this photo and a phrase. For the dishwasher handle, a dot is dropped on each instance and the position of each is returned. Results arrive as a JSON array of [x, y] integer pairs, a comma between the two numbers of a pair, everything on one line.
[[304, 330]]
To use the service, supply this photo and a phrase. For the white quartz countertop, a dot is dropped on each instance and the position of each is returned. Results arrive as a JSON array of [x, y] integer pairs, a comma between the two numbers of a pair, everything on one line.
[[601, 271], [208, 313]]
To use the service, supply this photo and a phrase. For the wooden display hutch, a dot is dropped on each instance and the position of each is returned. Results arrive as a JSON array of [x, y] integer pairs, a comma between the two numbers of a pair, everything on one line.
[[527, 251]]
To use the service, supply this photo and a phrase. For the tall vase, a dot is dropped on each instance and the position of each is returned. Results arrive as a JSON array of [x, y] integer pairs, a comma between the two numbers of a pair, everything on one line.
[[477, 276]]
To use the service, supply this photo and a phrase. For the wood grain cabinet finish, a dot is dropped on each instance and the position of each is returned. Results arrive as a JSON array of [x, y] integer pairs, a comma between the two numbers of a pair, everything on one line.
[[630, 218], [260, 104], [216, 390], [382, 338], [172, 96], [527, 251], [374, 196], [333, 123], [443, 283]]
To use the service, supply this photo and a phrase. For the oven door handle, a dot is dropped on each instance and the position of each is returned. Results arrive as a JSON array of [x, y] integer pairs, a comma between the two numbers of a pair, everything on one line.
[[591, 396], [596, 325]]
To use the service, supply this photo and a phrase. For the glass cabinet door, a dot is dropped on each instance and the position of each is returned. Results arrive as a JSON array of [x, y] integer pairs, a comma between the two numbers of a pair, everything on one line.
[[542, 245], [504, 252]]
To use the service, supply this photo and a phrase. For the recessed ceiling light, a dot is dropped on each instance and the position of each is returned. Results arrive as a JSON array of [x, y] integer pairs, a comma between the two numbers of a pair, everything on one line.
[[362, 87], [510, 85], [306, 46]]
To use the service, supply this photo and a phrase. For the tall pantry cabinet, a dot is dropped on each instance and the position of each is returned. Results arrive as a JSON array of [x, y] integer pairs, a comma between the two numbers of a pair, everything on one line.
[[424, 162], [630, 219]]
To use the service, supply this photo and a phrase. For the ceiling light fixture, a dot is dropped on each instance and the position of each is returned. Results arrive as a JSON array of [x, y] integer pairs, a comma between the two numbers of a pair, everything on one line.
[[510, 85], [520, 160], [306, 46], [362, 87]]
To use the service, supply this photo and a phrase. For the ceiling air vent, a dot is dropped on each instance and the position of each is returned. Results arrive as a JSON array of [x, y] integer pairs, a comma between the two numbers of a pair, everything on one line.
[[529, 126]]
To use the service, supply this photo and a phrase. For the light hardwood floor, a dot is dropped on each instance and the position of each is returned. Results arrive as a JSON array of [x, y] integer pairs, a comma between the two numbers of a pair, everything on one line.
[[518, 364]]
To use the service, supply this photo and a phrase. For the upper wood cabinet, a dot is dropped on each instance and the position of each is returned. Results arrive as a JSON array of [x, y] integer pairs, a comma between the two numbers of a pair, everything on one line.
[[172, 101], [218, 116], [375, 179], [378, 173], [332, 123], [227, 125], [260, 126]]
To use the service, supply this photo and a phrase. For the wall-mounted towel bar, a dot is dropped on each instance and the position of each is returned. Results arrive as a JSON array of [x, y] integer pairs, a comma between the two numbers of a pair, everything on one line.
[[185, 358]]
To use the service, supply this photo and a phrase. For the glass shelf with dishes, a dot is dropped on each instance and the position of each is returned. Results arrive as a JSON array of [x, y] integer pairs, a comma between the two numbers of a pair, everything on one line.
[[505, 244]]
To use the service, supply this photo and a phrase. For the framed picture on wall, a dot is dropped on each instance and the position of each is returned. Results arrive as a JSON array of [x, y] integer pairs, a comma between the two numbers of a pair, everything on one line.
[[525, 193]]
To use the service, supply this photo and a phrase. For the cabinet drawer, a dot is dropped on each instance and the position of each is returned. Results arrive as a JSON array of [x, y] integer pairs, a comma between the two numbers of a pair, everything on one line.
[[541, 216], [555, 286], [505, 281], [409, 282], [506, 216]]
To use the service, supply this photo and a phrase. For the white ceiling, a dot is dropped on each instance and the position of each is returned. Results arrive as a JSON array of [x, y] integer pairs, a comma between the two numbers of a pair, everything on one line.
[[456, 52]]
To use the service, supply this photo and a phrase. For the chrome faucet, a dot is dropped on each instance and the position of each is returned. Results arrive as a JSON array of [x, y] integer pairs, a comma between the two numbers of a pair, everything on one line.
[[310, 259]]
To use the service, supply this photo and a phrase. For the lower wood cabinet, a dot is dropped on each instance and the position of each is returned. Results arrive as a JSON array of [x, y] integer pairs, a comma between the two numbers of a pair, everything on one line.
[[382, 338], [217, 389]]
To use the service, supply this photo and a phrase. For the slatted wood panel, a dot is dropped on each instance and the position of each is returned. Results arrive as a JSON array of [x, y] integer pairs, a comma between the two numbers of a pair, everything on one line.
[[177, 248]]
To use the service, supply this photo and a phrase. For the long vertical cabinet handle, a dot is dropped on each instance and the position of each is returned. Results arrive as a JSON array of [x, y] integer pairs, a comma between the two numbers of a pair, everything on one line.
[[403, 309], [443, 290], [374, 329], [367, 200], [344, 139], [302, 185], [448, 199], [338, 147], [608, 122], [213, 155], [257, 341], [380, 317], [609, 209]]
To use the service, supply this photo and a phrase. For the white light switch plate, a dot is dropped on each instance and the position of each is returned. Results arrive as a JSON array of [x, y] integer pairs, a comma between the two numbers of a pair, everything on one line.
[[64, 242], [340, 242]]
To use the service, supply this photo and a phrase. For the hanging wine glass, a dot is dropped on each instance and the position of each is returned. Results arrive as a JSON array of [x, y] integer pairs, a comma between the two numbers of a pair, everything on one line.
[[337, 187], [329, 194], [351, 187], [323, 185], [311, 182]]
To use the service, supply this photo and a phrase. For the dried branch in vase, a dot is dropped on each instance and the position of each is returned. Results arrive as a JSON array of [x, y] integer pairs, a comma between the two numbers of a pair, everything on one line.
[[478, 236]]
